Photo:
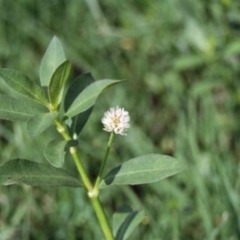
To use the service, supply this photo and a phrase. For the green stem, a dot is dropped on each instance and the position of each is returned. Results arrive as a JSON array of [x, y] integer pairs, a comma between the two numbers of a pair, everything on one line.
[[62, 130], [102, 219], [74, 152], [81, 170], [92, 193], [100, 175]]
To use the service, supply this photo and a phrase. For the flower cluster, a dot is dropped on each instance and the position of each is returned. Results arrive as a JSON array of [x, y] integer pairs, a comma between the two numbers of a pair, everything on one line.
[[116, 120]]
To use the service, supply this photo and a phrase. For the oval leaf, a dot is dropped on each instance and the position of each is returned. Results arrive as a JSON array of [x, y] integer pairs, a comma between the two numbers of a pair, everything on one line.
[[38, 123], [88, 96], [57, 83], [20, 171], [141, 170], [125, 220], [23, 85], [18, 110], [52, 59]]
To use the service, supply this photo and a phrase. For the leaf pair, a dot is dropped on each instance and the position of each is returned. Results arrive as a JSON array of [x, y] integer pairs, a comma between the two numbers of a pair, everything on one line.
[[54, 72], [140, 170], [81, 97]]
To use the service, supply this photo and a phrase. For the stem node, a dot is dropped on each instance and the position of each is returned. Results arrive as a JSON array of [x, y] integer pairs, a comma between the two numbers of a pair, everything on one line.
[[94, 193]]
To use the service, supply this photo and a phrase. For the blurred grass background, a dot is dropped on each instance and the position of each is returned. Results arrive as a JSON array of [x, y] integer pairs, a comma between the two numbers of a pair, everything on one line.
[[181, 59]]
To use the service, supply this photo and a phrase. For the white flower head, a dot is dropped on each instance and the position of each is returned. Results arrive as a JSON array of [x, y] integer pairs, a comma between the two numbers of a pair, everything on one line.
[[116, 120]]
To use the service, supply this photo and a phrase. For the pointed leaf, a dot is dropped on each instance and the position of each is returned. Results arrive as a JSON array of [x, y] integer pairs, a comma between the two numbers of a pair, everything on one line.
[[18, 110], [125, 220], [78, 85], [20, 171], [88, 96], [57, 83], [53, 58], [22, 85], [55, 151], [38, 123], [141, 170]]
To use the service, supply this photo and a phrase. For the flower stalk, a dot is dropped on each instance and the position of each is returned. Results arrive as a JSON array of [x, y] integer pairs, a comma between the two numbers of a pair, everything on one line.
[[100, 175]]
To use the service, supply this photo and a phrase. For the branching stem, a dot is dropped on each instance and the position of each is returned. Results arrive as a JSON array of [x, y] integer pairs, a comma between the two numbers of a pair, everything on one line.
[[92, 192]]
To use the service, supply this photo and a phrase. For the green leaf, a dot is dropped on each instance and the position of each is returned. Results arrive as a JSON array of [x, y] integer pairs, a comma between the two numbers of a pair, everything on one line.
[[57, 83], [18, 110], [55, 151], [52, 59], [20, 171], [22, 85], [78, 85], [79, 121], [88, 96], [38, 123], [141, 170], [125, 221]]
